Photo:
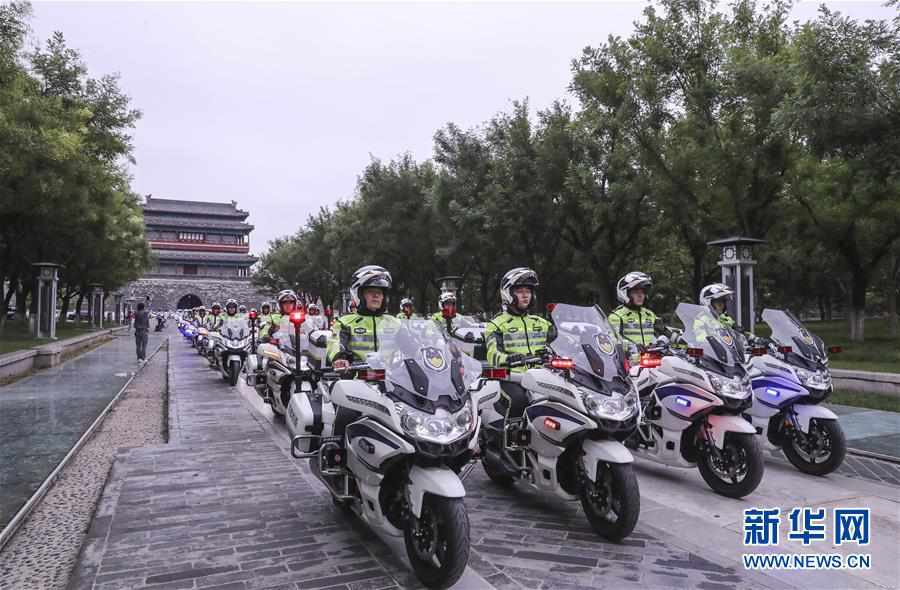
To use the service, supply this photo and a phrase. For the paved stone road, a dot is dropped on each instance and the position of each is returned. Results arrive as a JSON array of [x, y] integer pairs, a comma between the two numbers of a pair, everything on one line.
[[220, 506], [224, 506], [42, 416]]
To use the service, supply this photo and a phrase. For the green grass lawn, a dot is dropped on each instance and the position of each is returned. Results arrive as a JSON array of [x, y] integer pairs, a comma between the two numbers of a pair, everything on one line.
[[877, 353], [16, 337], [872, 401]]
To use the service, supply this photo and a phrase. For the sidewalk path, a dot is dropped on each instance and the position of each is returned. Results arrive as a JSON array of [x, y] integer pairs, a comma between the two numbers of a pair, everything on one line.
[[43, 415], [875, 431], [220, 506]]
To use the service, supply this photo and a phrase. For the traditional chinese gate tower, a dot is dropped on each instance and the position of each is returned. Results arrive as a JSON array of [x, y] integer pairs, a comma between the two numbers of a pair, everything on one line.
[[202, 254]]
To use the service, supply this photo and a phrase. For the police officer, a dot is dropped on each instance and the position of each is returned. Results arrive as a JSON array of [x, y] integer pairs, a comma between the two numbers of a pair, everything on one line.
[[265, 317], [213, 322], [287, 302], [516, 334], [315, 320], [406, 309], [231, 309], [444, 301], [716, 297], [356, 334], [632, 321]]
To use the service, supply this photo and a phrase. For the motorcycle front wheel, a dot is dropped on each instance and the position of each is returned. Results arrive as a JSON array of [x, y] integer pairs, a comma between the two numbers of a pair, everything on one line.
[[613, 502], [737, 470], [234, 372], [819, 451], [437, 543]]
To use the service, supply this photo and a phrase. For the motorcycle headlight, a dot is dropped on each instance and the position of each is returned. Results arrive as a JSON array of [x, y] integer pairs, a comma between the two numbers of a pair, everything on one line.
[[441, 427], [735, 387], [610, 407], [813, 379]]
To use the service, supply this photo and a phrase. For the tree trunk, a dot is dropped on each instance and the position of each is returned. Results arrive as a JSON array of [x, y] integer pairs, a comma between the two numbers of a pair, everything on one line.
[[64, 310], [78, 308], [893, 267], [892, 310], [858, 305]]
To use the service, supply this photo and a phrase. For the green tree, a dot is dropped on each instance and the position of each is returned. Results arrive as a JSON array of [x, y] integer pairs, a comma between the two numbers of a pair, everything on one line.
[[846, 112]]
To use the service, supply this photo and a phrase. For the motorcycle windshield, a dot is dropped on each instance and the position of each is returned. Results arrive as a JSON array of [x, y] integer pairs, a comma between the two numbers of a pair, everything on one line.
[[721, 347], [234, 328], [422, 368], [787, 330], [584, 335], [468, 328]]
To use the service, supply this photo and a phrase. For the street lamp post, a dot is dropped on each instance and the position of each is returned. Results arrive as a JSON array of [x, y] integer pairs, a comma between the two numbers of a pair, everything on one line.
[[96, 305], [736, 261], [46, 281]]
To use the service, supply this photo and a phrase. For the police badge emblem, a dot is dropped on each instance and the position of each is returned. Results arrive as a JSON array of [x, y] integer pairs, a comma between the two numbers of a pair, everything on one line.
[[726, 337], [434, 358], [605, 344]]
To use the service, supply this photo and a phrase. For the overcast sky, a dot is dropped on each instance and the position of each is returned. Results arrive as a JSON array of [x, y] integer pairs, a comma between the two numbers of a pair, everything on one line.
[[281, 106]]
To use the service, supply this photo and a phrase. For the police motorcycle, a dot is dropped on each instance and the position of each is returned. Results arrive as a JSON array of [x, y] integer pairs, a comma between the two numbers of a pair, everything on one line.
[[232, 345], [569, 440], [692, 402], [404, 428], [297, 347], [790, 377]]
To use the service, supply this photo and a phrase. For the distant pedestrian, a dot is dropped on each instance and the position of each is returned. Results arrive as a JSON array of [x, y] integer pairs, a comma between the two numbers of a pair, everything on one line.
[[141, 331]]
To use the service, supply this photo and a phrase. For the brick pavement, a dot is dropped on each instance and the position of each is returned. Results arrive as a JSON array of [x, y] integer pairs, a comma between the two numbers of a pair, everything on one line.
[[221, 506]]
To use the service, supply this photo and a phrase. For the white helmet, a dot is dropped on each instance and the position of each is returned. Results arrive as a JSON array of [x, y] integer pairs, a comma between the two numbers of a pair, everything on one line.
[[517, 277], [712, 292], [369, 276], [313, 307], [406, 301], [632, 280], [446, 297]]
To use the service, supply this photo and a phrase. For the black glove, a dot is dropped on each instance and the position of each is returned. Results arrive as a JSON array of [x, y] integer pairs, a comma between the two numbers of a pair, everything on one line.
[[515, 358], [544, 354]]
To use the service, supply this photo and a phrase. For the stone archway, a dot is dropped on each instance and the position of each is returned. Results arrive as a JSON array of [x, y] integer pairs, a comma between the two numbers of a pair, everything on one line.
[[189, 301]]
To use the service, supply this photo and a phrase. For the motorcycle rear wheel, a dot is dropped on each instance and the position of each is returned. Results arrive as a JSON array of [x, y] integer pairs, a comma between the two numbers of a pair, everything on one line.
[[437, 543]]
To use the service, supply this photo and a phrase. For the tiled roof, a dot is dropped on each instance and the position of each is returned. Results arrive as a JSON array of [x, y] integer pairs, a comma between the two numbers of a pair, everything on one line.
[[215, 257], [156, 205], [193, 223]]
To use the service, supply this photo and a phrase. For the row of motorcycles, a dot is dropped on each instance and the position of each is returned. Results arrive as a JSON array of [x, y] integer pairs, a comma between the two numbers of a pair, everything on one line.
[[226, 348], [394, 441]]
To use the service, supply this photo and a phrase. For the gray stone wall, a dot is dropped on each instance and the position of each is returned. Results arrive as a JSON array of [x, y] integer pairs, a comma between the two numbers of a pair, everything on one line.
[[166, 292]]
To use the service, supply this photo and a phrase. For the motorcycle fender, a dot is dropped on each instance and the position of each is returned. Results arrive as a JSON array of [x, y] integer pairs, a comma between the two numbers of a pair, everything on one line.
[[233, 357], [608, 451], [806, 412], [439, 481], [719, 424]]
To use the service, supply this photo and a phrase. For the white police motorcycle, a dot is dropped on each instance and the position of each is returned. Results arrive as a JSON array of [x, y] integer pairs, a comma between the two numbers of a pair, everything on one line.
[[568, 441], [692, 404], [790, 377], [286, 361], [402, 432], [231, 346]]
